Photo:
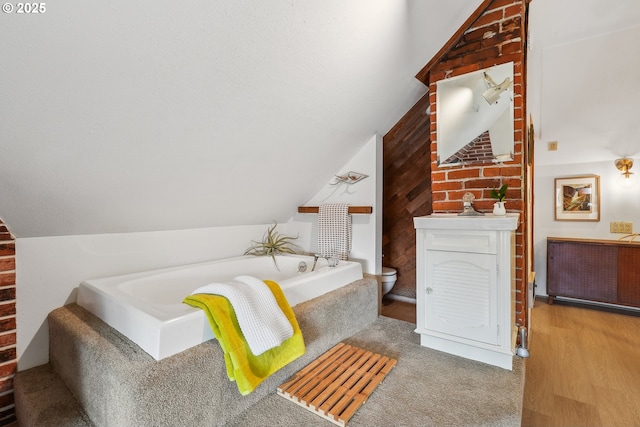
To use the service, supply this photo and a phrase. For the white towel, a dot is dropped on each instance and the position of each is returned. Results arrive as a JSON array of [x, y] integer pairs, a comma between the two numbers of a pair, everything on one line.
[[261, 319], [334, 230]]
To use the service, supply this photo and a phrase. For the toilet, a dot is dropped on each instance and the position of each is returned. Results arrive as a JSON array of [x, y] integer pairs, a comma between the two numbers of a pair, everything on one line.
[[389, 277]]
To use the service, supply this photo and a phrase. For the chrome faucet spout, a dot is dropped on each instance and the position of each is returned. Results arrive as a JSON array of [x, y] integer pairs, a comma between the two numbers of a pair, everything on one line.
[[315, 261]]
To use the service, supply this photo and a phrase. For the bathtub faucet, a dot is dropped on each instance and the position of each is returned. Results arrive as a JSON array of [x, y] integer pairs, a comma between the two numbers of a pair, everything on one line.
[[331, 260], [315, 261]]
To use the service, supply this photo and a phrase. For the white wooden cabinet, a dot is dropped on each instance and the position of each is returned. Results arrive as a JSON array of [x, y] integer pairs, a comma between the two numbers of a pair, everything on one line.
[[465, 287]]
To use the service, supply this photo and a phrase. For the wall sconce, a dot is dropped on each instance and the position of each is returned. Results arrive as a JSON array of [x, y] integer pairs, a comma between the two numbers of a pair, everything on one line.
[[627, 178], [348, 178], [492, 94]]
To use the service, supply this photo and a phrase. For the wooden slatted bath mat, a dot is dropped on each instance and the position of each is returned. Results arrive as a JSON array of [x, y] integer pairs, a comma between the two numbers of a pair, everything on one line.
[[336, 384]]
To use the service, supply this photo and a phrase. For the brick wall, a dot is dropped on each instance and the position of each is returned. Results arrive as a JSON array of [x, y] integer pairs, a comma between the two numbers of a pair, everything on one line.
[[8, 358], [496, 37]]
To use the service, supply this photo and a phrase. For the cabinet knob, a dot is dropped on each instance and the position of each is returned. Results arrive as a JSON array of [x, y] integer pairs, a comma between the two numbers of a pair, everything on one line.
[[429, 290]]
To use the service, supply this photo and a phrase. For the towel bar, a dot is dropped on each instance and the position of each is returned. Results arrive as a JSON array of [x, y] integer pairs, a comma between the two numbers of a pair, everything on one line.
[[352, 209]]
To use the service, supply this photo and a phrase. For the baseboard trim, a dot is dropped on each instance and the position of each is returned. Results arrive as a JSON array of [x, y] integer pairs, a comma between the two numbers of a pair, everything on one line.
[[602, 306]]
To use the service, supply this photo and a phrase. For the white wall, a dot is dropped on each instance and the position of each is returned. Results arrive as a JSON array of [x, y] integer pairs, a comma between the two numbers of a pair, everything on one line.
[[49, 269], [367, 229]]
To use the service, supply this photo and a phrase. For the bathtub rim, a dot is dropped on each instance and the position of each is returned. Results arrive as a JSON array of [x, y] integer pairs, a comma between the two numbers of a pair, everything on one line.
[[160, 336]]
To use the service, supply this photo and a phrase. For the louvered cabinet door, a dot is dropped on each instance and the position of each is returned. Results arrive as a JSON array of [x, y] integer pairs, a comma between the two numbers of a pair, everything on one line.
[[461, 295]]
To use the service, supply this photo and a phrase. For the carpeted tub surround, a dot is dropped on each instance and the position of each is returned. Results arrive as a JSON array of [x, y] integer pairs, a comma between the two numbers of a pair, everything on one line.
[[118, 384]]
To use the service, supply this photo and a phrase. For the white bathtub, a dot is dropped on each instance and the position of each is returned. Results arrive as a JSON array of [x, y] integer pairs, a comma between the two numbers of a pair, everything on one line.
[[147, 307]]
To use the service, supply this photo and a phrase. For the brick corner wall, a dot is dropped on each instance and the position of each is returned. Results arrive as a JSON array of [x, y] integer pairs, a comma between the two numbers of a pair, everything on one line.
[[8, 356], [496, 37]]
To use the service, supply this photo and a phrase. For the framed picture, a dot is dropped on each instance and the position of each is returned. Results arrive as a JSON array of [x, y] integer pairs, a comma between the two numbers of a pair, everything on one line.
[[577, 198], [530, 143]]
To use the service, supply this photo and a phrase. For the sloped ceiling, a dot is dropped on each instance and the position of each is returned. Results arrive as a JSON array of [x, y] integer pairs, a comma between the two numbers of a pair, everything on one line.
[[120, 116]]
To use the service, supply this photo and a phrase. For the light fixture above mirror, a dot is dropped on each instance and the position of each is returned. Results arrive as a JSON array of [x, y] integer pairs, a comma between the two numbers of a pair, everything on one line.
[[492, 94]]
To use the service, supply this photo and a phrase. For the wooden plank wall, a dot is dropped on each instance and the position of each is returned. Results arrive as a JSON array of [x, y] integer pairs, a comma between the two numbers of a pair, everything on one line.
[[406, 193]]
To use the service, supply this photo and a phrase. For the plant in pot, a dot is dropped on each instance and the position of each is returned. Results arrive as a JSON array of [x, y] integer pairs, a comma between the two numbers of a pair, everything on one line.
[[499, 194], [272, 244]]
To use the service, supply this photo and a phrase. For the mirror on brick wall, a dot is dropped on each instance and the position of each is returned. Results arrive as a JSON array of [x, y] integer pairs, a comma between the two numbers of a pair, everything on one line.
[[474, 117]]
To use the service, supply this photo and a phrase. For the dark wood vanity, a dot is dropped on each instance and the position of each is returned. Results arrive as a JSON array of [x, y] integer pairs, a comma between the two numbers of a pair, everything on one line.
[[594, 270]]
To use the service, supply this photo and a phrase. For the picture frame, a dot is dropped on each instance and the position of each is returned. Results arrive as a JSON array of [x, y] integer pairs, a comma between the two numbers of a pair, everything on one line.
[[577, 198], [530, 142]]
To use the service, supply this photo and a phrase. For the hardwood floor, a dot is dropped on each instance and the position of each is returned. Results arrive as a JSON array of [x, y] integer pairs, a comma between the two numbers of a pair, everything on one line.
[[399, 310], [584, 368]]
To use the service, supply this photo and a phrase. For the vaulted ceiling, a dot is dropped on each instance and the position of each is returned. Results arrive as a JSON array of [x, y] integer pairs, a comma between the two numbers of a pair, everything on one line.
[[123, 116]]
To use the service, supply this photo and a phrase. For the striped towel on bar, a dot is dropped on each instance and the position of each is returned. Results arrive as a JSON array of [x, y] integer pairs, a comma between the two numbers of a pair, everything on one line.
[[334, 230]]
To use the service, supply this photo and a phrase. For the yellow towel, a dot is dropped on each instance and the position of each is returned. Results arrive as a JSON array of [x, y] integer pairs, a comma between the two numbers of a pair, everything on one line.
[[247, 370]]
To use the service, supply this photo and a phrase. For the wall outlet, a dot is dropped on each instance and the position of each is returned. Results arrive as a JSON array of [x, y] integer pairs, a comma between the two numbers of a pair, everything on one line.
[[621, 227], [552, 146]]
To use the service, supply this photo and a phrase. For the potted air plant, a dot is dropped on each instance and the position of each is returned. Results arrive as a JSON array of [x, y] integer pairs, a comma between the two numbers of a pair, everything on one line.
[[272, 244], [499, 194]]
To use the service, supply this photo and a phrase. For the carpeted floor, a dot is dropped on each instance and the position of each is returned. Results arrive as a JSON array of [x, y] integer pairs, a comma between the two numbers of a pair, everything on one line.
[[426, 388]]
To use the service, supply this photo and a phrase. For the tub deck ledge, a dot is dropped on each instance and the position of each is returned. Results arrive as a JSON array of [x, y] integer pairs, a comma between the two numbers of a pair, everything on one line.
[[117, 383]]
